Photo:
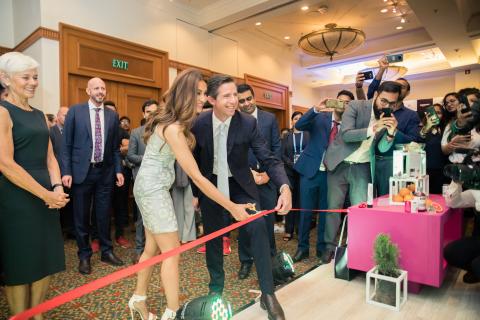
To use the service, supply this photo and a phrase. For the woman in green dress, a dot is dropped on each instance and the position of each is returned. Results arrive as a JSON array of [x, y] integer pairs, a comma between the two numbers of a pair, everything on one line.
[[31, 244]]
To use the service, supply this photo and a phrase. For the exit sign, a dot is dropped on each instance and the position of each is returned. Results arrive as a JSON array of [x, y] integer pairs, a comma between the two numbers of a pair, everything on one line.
[[119, 64]]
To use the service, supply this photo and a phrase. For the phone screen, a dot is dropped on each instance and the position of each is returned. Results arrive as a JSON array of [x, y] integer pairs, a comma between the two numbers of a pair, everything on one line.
[[387, 112]]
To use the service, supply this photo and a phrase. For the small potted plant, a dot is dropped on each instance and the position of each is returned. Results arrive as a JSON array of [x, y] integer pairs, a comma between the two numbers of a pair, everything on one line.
[[390, 282]]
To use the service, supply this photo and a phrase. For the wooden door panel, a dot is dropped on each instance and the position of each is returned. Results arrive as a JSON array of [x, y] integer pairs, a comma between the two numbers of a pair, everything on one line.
[[131, 99]]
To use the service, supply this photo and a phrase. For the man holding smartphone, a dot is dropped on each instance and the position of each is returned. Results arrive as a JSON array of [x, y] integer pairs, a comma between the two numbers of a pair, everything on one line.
[[403, 124]]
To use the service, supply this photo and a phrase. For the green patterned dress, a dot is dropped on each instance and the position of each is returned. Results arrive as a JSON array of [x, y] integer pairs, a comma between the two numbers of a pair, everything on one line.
[[31, 243], [152, 187]]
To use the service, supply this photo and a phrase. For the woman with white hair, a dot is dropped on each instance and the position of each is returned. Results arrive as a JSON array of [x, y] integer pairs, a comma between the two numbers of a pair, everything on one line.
[[31, 244]]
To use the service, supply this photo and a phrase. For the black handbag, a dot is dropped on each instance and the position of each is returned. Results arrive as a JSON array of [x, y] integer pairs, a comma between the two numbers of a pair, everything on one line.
[[341, 258]]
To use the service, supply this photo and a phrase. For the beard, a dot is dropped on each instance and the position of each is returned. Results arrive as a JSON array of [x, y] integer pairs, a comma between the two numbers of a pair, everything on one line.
[[98, 98], [376, 109]]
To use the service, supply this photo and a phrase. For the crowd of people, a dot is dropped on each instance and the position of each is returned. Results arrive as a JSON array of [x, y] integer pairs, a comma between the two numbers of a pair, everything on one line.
[[224, 161]]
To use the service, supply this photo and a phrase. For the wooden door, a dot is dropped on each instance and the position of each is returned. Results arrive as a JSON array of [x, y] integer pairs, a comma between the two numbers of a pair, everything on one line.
[[130, 99]]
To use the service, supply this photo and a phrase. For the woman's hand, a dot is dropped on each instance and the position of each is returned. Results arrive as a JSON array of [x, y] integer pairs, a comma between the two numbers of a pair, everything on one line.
[[56, 199], [239, 211]]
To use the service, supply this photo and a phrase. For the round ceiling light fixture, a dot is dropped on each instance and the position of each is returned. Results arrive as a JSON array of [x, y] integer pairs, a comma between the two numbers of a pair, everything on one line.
[[331, 41]]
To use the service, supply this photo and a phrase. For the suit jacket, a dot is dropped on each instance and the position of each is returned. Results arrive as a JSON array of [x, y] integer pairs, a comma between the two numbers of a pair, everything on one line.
[[243, 134], [318, 125], [268, 128], [57, 141], [353, 131], [136, 149], [78, 142]]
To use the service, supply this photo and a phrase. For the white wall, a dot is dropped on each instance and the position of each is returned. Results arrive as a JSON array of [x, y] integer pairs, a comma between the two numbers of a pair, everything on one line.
[[303, 96], [6, 23], [26, 18]]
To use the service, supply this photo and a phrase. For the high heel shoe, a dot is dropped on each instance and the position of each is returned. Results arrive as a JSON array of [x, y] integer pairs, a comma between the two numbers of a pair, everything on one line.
[[133, 310], [169, 314]]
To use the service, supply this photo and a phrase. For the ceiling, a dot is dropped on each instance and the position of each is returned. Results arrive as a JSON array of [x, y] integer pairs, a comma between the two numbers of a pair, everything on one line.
[[437, 35]]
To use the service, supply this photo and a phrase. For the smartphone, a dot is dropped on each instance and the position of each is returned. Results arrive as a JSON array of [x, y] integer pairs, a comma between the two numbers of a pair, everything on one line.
[[368, 75], [392, 58], [465, 105], [334, 103], [430, 111], [387, 112]]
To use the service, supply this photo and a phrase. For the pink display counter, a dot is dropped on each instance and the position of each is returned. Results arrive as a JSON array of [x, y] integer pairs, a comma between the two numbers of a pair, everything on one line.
[[420, 237]]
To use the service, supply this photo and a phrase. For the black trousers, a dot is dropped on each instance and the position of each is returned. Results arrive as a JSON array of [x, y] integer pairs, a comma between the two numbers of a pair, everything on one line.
[[255, 232], [120, 203], [98, 185], [268, 200], [464, 254]]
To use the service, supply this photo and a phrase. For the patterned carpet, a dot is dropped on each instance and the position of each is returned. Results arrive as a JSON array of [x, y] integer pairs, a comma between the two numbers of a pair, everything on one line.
[[111, 302]]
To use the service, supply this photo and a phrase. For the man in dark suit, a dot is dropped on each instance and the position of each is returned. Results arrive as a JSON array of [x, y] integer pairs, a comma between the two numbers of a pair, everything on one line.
[[56, 133], [90, 161], [56, 136], [323, 128], [226, 166], [268, 129]]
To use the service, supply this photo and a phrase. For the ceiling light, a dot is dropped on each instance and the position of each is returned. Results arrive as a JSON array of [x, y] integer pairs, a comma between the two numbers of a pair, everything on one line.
[[399, 28], [403, 20], [286, 37], [331, 41], [394, 10], [305, 8], [385, 0], [384, 10], [258, 24]]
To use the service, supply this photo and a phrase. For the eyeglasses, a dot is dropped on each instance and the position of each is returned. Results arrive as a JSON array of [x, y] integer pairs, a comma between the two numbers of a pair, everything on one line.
[[385, 102], [242, 101]]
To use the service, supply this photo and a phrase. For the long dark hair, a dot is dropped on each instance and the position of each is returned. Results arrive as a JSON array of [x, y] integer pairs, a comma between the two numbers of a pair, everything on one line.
[[449, 116], [179, 105]]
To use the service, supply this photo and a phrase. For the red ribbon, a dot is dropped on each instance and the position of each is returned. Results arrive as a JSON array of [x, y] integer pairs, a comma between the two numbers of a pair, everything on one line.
[[123, 273]]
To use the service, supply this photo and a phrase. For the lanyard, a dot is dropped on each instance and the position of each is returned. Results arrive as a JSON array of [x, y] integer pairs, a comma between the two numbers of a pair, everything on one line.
[[295, 143]]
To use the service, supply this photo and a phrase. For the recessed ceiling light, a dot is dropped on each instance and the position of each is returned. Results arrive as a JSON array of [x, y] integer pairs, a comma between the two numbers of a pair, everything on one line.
[[403, 20], [305, 8], [384, 10], [286, 37], [385, 0], [399, 28], [258, 24]]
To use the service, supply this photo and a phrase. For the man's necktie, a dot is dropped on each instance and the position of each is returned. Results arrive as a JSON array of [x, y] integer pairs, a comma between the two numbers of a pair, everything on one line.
[[333, 132], [222, 162], [97, 154]]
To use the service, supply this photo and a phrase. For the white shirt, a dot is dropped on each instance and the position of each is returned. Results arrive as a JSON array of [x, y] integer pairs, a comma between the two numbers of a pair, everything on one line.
[[101, 113], [362, 154], [255, 113], [216, 130]]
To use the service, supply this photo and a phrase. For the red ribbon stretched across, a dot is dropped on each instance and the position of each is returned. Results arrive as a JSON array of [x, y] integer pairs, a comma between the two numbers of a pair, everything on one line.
[[123, 273]]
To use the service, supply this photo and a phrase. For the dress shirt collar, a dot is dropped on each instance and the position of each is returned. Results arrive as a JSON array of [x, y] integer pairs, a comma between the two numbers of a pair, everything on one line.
[[91, 106], [255, 113], [216, 122]]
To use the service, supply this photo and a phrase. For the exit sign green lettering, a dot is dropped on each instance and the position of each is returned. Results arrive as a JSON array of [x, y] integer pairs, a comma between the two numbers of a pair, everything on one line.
[[120, 64]]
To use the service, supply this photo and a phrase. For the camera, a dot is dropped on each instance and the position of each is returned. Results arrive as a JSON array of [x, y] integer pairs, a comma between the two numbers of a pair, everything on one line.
[[467, 172]]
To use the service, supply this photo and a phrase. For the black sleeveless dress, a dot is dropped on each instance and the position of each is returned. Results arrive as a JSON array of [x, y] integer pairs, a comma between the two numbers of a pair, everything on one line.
[[31, 243]]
